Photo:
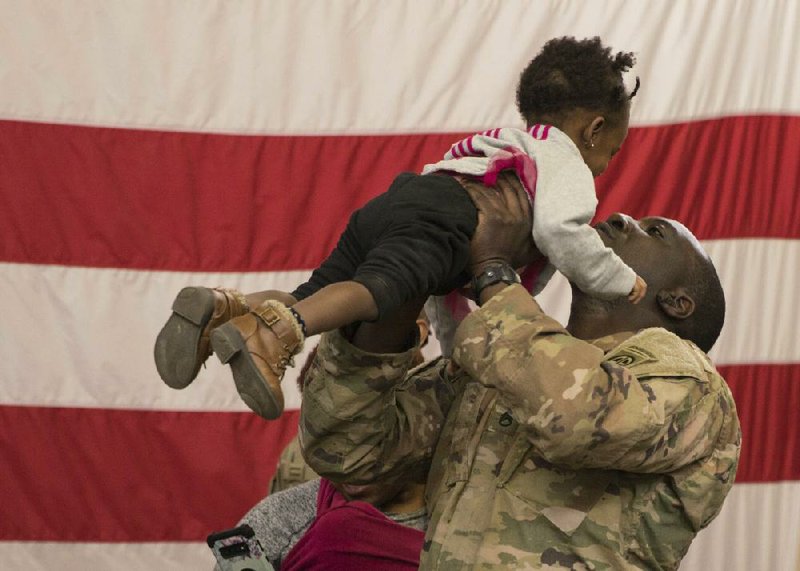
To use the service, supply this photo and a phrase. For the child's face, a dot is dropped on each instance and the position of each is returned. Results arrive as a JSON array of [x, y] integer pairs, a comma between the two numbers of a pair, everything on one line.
[[607, 141]]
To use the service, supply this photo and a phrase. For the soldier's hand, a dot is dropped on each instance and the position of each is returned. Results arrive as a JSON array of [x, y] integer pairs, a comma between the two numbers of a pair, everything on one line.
[[504, 223]]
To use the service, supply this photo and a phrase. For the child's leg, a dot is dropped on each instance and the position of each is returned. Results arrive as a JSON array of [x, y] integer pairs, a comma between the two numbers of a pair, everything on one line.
[[182, 345], [259, 345], [402, 245], [257, 298]]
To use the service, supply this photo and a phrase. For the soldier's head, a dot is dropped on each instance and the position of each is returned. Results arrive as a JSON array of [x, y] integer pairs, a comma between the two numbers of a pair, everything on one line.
[[684, 294]]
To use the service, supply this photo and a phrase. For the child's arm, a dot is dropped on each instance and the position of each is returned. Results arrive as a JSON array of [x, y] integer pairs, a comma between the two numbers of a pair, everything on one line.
[[564, 204]]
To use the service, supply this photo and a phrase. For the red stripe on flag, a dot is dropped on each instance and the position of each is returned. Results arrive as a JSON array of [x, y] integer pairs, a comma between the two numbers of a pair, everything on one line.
[[768, 400], [724, 178], [121, 475], [110, 475], [187, 201]]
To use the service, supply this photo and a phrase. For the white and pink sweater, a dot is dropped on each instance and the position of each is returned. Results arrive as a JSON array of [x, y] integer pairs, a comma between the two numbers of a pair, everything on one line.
[[562, 193]]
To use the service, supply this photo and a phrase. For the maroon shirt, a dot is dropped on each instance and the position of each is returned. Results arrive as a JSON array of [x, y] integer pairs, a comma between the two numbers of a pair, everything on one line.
[[353, 535]]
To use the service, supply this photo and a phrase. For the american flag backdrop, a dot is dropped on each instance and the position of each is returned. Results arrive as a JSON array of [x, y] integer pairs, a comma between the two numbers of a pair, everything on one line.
[[149, 145]]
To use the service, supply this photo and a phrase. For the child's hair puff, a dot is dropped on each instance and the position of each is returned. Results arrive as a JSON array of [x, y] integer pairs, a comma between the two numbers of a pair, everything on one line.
[[569, 73]]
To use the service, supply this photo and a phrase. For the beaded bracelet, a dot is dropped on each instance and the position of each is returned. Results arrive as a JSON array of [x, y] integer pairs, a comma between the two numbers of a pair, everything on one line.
[[299, 320]]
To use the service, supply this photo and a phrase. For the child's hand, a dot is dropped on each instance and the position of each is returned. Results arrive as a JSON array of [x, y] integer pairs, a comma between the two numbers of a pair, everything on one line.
[[638, 291]]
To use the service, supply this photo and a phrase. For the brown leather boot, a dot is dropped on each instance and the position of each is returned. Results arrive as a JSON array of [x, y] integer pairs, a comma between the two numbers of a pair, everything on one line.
[[183, 345], [258, 346]]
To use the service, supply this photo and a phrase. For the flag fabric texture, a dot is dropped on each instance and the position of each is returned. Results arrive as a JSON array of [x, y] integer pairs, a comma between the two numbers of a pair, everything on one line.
[[150, 145]]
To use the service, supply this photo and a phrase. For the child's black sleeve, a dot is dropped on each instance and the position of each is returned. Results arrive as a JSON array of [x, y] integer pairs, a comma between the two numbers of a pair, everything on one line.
[[410, 241]]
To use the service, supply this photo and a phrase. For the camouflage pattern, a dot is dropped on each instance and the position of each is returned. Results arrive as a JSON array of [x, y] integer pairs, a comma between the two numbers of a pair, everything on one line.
[[292, 469], [546, 452]]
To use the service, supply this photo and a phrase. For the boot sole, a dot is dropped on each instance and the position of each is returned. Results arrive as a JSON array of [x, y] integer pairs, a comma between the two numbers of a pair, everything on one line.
[[176, 349], [230, 348]]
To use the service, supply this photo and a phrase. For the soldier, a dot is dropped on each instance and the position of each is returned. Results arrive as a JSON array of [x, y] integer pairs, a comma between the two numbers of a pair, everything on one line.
[[607, 444]]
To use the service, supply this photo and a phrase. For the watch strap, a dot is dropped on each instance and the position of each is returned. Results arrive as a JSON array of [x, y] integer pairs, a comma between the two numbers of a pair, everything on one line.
[[493, 274]]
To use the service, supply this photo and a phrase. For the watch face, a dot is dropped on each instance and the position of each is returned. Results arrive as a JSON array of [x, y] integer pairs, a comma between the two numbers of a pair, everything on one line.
[[493, 275]]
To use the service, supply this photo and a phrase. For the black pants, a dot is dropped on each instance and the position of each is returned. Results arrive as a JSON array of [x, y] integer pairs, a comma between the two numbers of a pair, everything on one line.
[[409, 242]]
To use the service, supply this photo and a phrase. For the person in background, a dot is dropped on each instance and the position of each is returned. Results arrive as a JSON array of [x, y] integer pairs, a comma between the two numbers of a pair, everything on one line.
[[310, 523]]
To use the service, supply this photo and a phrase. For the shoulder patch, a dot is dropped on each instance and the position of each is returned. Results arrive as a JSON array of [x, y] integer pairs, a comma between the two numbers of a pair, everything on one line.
[[632, 355], [655, 352]]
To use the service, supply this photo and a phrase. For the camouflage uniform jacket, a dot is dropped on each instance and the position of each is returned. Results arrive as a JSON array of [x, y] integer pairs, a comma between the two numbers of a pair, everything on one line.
[[545, 451], [292, 469]]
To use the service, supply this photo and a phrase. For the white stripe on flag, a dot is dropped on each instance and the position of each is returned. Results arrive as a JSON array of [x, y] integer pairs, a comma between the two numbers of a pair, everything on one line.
[[757, 529], [64, 556], [108, 321], [287, 67], [90, 366]]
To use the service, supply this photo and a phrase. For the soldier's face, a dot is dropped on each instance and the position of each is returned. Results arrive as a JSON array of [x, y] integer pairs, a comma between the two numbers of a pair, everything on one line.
[[660, 250]]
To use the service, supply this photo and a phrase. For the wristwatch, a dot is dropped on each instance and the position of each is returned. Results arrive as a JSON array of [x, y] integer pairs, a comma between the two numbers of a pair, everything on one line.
[[494, 273]]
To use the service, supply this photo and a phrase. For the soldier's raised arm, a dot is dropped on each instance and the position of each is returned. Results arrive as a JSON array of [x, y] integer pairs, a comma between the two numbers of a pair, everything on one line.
[[638, 399], [364, 417], [624, 410]]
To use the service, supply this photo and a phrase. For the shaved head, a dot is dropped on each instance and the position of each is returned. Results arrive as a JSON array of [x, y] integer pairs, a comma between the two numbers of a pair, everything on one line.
[[705, 325], [684, 293]]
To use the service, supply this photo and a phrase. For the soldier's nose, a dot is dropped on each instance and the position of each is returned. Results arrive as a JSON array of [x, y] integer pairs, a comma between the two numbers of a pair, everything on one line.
[[619, 221]]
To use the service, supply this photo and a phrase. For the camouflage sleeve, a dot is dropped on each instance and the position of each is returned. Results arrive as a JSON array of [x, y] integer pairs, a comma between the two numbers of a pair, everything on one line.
[[584, 409], [364, 418]]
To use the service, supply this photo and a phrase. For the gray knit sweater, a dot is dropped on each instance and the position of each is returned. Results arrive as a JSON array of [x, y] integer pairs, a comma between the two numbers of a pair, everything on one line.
[[281, 519]]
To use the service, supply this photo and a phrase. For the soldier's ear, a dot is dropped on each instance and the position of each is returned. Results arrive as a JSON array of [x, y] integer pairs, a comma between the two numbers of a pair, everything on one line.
[[677, 303]]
